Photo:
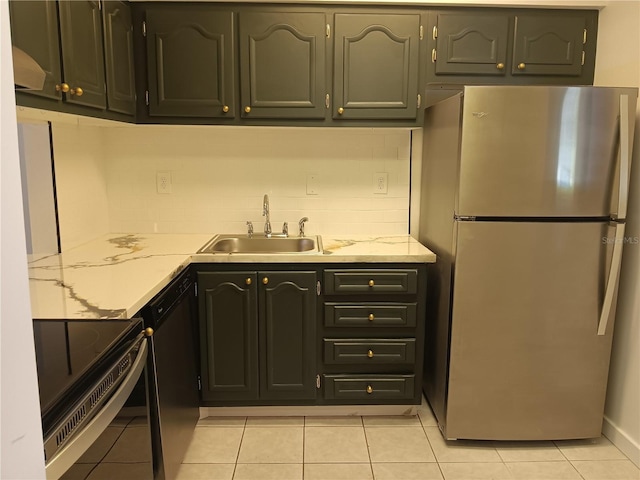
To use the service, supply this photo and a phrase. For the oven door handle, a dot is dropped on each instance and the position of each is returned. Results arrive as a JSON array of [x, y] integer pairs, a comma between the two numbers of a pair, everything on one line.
[[79, 444]]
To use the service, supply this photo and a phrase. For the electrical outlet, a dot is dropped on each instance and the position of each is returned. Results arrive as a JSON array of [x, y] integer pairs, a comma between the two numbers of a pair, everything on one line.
[[312, 184], [163, 182], [380, 181]]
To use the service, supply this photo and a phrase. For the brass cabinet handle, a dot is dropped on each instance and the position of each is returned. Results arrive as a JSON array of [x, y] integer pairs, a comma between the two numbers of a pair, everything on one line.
[[148, 331], [64, 87], [247, 109], [521, 66], [248, 281], [371, 283], [340, 111], [76, 91], [371, 317], [500, 66], [370, 354], [369, 389], [225, 109], [265, 280]]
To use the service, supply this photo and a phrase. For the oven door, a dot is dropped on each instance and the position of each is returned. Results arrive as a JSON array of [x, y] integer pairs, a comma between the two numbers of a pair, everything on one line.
[[116, 441]]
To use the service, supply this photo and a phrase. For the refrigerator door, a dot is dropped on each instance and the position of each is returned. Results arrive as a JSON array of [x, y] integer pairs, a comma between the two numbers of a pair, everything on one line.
[[542, 151], [526, 360]]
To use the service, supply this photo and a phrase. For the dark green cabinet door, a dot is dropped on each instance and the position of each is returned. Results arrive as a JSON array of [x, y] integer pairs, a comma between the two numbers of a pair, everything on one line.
[[82, 52], [34, 29], [548, 44], [190, 54], [376, 66], [470, 44], [282, 65], [228, 335], [118, 56], [287, 335]]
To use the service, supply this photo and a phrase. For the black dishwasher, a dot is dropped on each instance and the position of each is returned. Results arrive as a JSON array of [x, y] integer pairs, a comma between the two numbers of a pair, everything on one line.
[[175, 398]]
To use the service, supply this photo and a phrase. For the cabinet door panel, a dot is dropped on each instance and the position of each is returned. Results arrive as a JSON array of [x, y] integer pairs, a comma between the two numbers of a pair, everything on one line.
[[287, 333], [118, 56], [82, 52], [548, 45], [471, 44], [376, 66], [279, 85], [34, 29], [228, 331], [190, 56]]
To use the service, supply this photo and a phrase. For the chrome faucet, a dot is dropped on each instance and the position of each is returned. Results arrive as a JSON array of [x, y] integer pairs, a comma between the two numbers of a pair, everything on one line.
[[301, 226], [265, 213]]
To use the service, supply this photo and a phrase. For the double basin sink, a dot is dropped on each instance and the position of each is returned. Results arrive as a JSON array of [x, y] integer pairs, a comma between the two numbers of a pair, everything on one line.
[[234, 243]]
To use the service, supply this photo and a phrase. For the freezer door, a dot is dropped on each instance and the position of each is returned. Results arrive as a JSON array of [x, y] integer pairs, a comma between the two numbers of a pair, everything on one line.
[[526, 360], [541, 151]]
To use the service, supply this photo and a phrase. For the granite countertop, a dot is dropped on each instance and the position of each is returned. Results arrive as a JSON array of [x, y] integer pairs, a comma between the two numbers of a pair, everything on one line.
[[115, 275]]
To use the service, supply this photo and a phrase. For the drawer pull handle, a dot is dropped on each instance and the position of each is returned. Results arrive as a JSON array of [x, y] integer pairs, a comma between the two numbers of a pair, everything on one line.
[[369, 389], [370, 354], [265, 280], [371, 283], [371, 317], [248, 281]]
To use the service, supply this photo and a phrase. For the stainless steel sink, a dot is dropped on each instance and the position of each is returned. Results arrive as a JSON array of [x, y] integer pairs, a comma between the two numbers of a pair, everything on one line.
[[230, 243]]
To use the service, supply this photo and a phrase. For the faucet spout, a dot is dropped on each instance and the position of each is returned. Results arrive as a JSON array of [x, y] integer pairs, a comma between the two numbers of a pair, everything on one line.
[[265, 213]]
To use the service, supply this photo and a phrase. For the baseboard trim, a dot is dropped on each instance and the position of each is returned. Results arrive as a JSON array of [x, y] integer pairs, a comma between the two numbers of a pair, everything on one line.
[[621, 440], [308, 410]]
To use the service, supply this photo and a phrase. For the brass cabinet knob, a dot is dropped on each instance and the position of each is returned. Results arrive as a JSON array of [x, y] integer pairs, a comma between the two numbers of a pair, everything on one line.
[[369, 389], [248, 281], [500, 66], [247, 109], [76, 91], [64, 87], [521, 66], [340, 111], [371, 283], [225, 109], [370, 354], [371, 317], [265, 280], [148, 331]]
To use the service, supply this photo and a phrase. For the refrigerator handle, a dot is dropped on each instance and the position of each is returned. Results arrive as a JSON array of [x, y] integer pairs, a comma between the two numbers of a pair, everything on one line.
[[623, 185], [612, 281]]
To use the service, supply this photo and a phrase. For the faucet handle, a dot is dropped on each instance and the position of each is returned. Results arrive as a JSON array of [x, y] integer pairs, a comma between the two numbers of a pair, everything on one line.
[[285, 229], [250, 229], [301, 225]]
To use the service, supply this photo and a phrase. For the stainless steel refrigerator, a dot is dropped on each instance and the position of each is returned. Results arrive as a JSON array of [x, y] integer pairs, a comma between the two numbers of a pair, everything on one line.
[[523, 199]]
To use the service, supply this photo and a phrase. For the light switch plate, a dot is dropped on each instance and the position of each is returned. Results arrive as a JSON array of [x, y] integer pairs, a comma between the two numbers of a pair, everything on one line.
[[312, 184]]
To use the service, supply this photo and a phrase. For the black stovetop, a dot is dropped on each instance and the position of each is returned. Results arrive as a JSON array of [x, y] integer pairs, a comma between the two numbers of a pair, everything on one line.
[[70, 354]]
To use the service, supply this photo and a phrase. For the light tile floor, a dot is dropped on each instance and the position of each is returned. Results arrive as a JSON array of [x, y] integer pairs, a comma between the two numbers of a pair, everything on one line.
[[384, 448]]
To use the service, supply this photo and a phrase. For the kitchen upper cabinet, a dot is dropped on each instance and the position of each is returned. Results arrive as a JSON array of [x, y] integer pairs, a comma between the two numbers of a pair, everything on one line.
[[118, 57], [258, 333], [86, 54], [191, 61], [282, 64], [376, 69], [481, 46], [82, 53], [34, 29]]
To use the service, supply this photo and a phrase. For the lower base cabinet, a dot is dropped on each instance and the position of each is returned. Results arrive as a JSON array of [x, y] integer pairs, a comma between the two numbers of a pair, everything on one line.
[[257, 335]]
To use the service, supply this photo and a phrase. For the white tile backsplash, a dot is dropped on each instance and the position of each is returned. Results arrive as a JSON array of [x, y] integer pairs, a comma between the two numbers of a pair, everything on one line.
[[220, 174]]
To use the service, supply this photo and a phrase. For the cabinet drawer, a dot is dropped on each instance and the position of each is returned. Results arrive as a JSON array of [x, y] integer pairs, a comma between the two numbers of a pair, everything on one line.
[[370, 315], [369, 387], [370, 281], [369, 351]]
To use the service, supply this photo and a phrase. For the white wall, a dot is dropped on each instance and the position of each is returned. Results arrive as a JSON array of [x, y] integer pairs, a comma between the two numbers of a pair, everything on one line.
[[220, 174], [618, 64], [81, 182], [21, 455]]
